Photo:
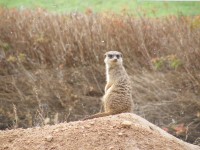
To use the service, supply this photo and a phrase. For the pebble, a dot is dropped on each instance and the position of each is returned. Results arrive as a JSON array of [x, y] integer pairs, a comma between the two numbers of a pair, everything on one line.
[[126, 124], [120, 133], [49, 138], [87, 126], [92, 123]]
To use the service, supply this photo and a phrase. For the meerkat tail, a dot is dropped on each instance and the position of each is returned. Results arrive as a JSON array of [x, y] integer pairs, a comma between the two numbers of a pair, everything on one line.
[[103, 114]]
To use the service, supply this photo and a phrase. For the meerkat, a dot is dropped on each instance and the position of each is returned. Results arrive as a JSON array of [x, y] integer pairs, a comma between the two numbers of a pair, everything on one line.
[[118, 97]]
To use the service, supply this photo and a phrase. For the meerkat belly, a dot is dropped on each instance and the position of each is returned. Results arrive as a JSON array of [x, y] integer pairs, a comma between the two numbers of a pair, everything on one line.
[[118, 99]]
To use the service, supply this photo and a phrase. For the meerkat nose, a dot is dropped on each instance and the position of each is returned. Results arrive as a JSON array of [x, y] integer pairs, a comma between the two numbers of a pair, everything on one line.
[[115, 59]]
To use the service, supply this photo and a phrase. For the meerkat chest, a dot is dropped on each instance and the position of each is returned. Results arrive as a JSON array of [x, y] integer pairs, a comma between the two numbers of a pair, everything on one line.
[[107, 76], [107, 93]]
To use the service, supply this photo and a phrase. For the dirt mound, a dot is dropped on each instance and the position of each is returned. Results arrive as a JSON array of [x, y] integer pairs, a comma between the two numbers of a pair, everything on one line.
[[124, 132]]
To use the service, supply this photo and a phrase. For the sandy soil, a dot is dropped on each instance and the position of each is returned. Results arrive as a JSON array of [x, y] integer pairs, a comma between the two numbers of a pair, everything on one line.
[[118, 132]]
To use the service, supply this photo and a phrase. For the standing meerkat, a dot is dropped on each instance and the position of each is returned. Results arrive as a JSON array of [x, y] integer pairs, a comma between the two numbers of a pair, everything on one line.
[[117, 98]]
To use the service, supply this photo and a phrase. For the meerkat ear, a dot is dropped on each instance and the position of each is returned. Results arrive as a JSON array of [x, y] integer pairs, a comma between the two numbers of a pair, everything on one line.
[[105, 54], [121, 55]]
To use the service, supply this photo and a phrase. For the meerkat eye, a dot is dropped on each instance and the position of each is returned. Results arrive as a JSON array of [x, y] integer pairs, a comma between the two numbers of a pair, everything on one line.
[[118, 56], [110, 56]]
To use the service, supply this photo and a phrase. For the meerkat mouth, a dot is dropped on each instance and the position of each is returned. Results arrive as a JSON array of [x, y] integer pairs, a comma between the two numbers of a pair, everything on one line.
[[114, 60]]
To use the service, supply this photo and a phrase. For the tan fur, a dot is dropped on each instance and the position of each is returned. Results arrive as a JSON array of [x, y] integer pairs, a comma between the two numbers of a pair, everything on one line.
[[117, 98]]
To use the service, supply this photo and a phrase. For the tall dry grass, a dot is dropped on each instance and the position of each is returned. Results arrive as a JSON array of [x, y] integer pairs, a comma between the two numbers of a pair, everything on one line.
[[49, 40], [52, 70]]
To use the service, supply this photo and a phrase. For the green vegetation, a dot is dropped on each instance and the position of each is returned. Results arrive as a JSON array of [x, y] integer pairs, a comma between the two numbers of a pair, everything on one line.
[[151, 8], [170, 61]]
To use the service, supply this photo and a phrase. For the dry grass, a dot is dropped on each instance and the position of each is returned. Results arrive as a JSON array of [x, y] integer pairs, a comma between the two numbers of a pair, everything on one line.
[[52, 69]]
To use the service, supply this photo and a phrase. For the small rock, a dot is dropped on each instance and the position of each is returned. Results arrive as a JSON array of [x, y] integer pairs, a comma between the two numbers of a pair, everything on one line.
[[87, 126], [56, 130], [63, 129], [82, 127], [92, 123], [49, 138], [120, 133], [126, 124]]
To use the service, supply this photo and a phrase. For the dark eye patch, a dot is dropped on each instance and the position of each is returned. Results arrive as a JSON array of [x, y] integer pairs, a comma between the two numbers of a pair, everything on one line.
[[118, 56], [110, 55]]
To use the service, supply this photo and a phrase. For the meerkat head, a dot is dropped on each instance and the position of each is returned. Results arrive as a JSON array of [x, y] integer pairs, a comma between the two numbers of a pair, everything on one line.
[[113, 58]]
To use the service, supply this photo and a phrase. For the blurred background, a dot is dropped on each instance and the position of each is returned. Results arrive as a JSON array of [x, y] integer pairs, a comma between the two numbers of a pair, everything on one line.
[[52, 69]]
